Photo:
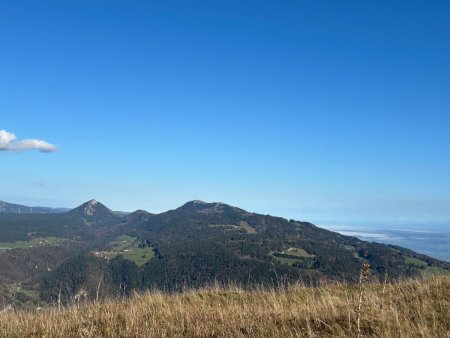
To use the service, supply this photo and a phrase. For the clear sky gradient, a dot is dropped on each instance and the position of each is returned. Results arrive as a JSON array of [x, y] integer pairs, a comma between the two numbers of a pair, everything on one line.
[[314, 110]]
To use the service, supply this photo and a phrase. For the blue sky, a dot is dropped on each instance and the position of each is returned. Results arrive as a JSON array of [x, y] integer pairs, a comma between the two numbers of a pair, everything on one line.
[[317, 110]]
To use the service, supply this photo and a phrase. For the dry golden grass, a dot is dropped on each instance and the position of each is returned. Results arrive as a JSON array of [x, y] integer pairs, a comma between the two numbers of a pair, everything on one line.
[[406, 309]]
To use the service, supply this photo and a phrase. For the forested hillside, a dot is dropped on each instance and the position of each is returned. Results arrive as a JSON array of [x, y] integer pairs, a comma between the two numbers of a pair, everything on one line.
[[91, 249]]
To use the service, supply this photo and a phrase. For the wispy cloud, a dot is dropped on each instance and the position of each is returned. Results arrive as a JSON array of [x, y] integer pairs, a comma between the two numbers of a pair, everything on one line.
[[9, 142]]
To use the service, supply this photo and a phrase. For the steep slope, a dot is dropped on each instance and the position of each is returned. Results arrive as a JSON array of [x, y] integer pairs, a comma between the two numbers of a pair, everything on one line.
[[200, 242], [93, 212]]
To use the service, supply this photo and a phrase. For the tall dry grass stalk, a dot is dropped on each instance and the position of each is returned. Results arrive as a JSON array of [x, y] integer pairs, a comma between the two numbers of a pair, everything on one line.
[[411, 309], [384, 290], [363, 277]]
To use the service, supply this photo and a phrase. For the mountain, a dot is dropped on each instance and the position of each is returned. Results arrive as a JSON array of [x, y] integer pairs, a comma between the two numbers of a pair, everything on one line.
[[204, 207], [36, 243], [91, 220], [192, 246], [22, 209], [138, 217], [95, 212]]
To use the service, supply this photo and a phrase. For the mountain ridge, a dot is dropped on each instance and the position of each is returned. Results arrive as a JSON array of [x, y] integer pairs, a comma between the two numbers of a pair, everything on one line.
[[6, 207], [190, 246]]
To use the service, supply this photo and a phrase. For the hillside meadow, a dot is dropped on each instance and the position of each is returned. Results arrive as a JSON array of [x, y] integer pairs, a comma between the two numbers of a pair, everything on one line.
[[413, 308]]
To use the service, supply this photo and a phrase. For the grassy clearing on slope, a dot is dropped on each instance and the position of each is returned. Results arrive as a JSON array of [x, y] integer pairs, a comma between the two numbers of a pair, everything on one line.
[[415, 261], [240, 226], [247, 228], [292, 256], [425, 269], [32, 243], [298, 252], [128, 247], [139, 255], [122, 242], [408, 309], [285, 260]]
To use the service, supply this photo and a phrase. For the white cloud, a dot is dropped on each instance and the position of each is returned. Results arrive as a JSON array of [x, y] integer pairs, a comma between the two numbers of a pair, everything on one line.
[[9, 142]]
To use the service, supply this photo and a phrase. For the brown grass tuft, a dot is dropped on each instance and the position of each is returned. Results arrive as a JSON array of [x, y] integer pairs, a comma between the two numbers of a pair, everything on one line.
[[410, 309]]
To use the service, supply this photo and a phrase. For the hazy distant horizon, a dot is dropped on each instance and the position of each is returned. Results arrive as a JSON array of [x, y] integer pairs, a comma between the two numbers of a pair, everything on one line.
[[431, 240], [313, 217]]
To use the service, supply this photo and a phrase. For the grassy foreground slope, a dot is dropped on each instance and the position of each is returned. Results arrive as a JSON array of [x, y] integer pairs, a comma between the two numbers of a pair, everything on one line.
[[408, 309]]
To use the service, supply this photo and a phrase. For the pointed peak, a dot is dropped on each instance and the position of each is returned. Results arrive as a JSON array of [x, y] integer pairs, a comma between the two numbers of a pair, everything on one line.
[[91, 208], [90, 202]]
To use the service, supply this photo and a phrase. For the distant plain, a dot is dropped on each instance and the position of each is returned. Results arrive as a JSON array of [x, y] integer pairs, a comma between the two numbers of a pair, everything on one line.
[[429, 239]]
